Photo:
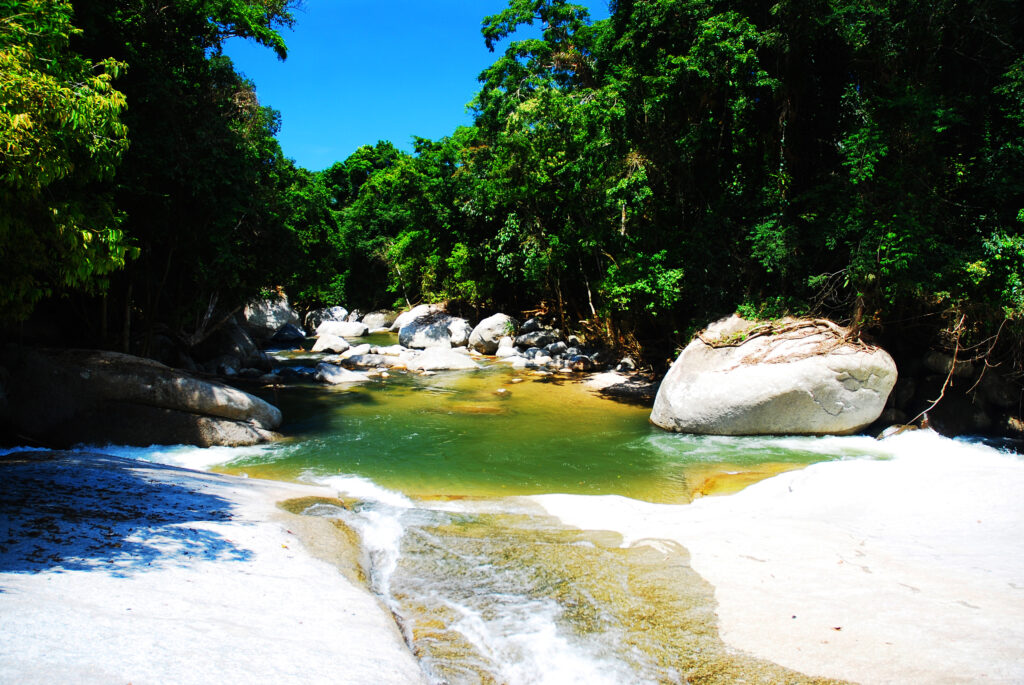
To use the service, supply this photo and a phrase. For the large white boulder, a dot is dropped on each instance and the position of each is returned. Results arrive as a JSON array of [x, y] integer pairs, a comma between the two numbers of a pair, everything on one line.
[[430, 330], [71, 396], [318, 316], [487, 335], [342, 329], [416, 312], [791, 377], [441, 359], [379, 319], [266, 317], [330, 343]]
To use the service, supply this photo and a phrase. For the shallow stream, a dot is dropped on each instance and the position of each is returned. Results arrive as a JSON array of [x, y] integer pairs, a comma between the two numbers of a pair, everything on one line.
[[486, 587]]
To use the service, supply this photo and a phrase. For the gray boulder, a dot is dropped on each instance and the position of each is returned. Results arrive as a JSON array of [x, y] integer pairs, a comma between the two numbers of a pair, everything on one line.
[[265, 317], [342, 329], [793, 377], [331, 343], [288, 333], [318, 316], [531, 325], [73, 396], [488, 334], [405, 318], [537, 339], [379, 319], [430, 330]]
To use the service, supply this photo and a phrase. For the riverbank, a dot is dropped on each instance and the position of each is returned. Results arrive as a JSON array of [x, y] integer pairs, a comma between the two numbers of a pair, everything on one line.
[[114, 570], [909, 570]]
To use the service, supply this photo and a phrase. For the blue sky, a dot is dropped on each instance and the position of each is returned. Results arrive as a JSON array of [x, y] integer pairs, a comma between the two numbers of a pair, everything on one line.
[[359, 71]]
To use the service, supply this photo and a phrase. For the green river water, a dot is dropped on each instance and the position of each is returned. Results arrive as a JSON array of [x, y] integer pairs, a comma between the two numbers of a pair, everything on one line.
[[485, 586]]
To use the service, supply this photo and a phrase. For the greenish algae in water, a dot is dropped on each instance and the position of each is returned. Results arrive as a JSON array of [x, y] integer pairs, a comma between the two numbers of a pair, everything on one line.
[[455, 434]]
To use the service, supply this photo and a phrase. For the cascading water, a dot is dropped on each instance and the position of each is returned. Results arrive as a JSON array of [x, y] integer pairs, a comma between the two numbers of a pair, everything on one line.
[[486, 586]]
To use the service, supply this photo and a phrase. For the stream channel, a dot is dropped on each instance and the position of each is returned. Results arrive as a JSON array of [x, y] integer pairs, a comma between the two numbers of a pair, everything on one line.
[[485, 586]]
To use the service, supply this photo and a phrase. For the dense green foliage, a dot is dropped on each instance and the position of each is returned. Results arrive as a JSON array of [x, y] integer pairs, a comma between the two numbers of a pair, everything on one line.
[[683, 159], [632, 177], [60, 134]]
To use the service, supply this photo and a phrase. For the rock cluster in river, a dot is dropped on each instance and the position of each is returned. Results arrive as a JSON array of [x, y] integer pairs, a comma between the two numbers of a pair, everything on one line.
[[430, 339]]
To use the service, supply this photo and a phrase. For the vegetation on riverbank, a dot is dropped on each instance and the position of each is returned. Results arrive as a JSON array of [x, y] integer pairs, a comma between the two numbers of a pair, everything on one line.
[[633, 177]]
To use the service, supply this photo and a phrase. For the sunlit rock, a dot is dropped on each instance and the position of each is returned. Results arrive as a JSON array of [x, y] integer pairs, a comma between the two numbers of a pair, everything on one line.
[[489, 333], [789, 377], [331, 343], [342, 329]]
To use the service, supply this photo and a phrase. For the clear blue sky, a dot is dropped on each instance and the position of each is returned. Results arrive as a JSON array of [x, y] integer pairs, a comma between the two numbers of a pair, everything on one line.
[[359, 71]]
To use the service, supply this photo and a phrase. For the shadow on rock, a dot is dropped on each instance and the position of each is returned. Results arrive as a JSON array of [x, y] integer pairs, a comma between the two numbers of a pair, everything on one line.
[[62, 511]]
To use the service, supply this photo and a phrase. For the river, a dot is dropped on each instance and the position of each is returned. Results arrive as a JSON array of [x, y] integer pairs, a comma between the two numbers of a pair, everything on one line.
[[486, 587]]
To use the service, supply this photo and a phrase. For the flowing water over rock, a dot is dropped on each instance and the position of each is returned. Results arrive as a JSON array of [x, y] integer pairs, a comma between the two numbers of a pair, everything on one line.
[[486, 587]]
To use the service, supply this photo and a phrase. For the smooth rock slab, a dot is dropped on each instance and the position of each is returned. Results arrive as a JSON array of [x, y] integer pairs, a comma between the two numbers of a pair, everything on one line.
[[441, 359], [807, 381], [342, 329]]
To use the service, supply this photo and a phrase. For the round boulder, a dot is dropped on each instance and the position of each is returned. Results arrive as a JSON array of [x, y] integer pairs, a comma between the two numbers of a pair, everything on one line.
[[789, 377], [318, 316], [330, 343], [488, 334], [430, 330]]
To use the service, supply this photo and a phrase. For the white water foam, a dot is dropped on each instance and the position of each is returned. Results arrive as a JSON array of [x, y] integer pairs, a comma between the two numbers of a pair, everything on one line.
[[523, 639], [377, 521], [190, 456]]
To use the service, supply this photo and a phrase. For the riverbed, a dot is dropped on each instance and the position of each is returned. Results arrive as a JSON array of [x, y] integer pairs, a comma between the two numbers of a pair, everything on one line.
[[522, 529]]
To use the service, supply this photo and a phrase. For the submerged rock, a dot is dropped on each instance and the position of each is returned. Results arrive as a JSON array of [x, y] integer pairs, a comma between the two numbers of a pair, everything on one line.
[[336, 375], [792, 377]]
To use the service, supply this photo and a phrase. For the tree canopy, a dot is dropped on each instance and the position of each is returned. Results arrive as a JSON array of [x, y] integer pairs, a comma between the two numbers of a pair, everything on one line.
[[632, 177]]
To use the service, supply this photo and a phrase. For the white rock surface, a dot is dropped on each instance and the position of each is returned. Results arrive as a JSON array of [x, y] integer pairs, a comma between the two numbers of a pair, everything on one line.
[[491, 332], [266, 317], [195, 578], [441, 359], [335, 375], [330, 343], [907, 569], [808, 383], [424, 333], [416, 312], [342, 329]]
